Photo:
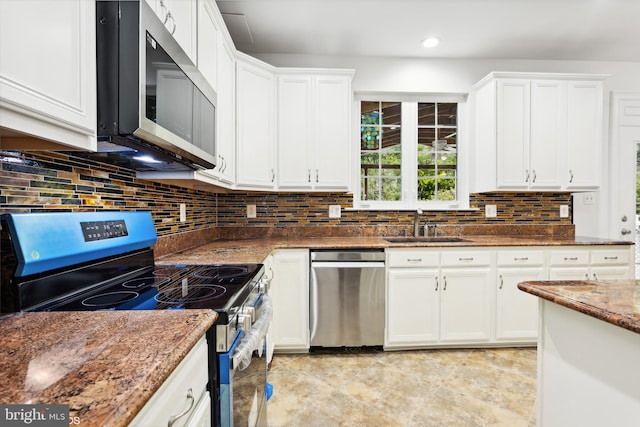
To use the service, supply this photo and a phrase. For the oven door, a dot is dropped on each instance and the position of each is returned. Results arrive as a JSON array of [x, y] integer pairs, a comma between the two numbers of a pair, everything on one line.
[[243, 374]]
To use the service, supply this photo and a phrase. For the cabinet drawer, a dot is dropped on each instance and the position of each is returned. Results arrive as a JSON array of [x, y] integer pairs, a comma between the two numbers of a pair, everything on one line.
[[412, 258], [465, 258], [516, 258], [608, 257], [171, 398], [569, 257]]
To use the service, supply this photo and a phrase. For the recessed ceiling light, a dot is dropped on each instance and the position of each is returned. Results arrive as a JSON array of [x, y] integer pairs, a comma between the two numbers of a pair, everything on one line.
[[431, 42]]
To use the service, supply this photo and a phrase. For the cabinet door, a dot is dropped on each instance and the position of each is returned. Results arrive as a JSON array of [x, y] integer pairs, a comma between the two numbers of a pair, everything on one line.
[[516, 311], [584, 135], [332, 130], [208, 42], [466, 305], [569, 273], [412, 316], [47, 70], [182, 24], [290, 294], [513, 111], [611, 273], [548, 133], [255, 120], [226, 115], [295, 130]]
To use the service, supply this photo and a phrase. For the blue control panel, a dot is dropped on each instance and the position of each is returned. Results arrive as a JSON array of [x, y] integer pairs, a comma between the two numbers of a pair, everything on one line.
[[47, 241]]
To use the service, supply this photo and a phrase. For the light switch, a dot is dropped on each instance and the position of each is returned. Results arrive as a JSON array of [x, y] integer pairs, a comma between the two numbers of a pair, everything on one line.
[[251, 211], [334, 211], [490, 211], [564, 211]]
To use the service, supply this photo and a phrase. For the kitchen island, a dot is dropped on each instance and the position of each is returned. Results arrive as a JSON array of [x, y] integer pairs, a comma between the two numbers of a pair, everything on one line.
[[105, 365], [588, 352]]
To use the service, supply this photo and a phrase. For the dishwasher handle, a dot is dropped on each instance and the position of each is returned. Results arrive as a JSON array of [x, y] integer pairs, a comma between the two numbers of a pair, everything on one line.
[[353, 264]]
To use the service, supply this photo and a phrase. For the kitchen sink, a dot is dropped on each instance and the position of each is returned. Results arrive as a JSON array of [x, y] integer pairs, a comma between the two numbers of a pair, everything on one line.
[[442, 239]]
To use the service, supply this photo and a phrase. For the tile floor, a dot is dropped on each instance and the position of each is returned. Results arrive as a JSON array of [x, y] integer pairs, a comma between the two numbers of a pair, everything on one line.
[[479, 387]]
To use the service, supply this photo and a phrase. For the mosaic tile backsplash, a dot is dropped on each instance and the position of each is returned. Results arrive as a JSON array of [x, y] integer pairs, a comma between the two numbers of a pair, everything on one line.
[[48, 181]]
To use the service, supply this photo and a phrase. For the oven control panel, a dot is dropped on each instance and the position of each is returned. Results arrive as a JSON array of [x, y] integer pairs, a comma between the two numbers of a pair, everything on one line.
[[101, 230]]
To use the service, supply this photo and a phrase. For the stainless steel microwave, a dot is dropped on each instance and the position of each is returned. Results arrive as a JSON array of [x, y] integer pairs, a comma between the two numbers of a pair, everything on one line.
[[156, 111]]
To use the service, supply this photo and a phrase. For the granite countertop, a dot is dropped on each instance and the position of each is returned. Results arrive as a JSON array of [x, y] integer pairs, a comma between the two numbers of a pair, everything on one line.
[[257, 250], [616, 302], [104, 364]]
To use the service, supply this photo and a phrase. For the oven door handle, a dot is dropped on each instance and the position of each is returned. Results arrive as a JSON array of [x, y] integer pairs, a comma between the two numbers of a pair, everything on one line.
[[251, 340]]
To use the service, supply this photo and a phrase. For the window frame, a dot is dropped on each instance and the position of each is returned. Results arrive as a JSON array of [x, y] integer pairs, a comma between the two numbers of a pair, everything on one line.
[[409, 140]]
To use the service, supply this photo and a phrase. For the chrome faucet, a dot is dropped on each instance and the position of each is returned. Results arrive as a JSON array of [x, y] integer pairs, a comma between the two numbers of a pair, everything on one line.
[[416, 223]]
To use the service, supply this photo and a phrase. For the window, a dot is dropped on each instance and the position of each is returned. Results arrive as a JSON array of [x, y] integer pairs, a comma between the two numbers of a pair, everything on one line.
[[408, 154]]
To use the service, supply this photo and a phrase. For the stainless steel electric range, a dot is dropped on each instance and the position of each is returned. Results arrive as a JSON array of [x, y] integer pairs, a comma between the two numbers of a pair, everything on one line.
[[104, 261]]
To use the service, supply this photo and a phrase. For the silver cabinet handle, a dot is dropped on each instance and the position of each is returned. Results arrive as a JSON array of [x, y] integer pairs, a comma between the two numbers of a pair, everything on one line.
[[611, 258], [273, 175], [570, 176], [308, 175], [501, 282], [445, 283], [465, 259], [164, 11], [174, 418], [586, 275], [625, 231], [526, 258], [436, 283], [317, 175], [414, 259], [595, 276], [526, 174], [574, 258], [534, 176]]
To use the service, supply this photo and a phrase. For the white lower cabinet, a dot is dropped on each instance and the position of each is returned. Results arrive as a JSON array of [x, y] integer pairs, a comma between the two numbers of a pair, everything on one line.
[[517, 311], [412, 307], [571, 263], [289, 292], [183, 396], [432, 301], [466, 303]]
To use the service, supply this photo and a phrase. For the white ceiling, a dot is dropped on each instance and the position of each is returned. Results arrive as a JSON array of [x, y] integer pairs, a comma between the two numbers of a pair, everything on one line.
[[607, 30]]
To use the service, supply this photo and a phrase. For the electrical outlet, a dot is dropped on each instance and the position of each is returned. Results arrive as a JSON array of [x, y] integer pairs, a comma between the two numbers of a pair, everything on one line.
[[588, 198], [183, 212], [334, 211], [564, 211], [490, 211], [251, 211]]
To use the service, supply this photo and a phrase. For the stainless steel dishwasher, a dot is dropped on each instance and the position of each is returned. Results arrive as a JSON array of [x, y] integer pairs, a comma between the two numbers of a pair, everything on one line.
[[346, 298]]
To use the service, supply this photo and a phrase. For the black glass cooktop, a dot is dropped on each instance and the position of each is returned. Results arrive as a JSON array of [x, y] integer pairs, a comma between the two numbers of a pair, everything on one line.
[[162, 287]]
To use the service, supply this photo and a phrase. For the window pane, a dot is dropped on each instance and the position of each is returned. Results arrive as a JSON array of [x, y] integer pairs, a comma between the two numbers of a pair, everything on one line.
[[391, 113], [426, 114], [447, 114], [391, 189], [370, 112]]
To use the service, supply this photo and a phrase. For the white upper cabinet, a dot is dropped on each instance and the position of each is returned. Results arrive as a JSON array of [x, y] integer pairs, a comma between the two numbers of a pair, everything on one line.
[[48, 73], [584, 134], [313, 129], [256, 125], [208, 41], [537, 132], [226, 112], [180, 17]]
